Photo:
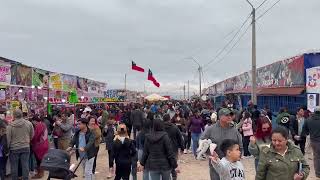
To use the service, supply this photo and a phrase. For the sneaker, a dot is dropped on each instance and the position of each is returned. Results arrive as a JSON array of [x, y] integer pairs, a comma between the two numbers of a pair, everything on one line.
[[185, 152]]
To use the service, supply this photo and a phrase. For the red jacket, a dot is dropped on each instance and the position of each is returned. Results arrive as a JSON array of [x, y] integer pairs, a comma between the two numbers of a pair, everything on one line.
[[40, 142]]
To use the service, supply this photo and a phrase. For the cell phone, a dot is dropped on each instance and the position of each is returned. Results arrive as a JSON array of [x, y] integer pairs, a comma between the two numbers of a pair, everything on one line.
[[300, 168]]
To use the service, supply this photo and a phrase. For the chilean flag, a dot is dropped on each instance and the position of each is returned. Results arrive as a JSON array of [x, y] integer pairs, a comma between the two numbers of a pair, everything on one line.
[[137, 68], [151, 78]]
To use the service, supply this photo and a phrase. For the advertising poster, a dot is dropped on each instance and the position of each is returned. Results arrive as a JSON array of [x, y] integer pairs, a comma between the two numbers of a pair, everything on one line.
[[5, 73], [55, 81], [82, 84], [39, 78], [313, 80], [312, 101], [69, 82], [21, 75]]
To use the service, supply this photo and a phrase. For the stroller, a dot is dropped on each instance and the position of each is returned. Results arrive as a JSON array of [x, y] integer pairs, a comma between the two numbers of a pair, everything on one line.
[[57, 162]]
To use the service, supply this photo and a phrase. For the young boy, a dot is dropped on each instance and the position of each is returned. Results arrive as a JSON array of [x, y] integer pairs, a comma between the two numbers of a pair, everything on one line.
[[229, 167]]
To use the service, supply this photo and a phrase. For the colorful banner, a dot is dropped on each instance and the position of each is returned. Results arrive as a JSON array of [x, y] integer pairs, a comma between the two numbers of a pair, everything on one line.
[[82, 84], [313, 80], [5, 73], [39, 78], [69, 82], [21, 75], [286, 73], [115, 94], [55, 81]]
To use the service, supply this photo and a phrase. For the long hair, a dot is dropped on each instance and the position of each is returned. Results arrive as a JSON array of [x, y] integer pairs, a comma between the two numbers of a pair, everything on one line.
[[259, 133]]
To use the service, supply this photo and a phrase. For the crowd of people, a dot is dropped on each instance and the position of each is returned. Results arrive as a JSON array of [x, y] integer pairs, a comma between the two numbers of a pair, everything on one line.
[[151, 137]]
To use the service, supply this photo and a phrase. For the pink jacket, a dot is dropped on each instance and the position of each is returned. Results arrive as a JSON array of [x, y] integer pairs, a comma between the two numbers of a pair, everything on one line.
[[247, 127], [40, 143]]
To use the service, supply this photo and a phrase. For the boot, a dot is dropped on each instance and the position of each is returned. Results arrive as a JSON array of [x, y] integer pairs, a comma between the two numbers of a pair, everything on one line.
[[39, 175]]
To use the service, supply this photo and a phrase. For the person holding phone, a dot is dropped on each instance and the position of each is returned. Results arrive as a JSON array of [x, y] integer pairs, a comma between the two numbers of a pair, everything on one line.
[[283, 160]]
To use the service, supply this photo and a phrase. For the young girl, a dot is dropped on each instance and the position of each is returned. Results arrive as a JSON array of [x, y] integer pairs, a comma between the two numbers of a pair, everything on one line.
[[123, 152], [247, 132]]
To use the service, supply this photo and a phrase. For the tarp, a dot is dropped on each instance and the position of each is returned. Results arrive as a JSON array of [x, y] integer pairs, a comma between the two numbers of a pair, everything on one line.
[[155, 97]]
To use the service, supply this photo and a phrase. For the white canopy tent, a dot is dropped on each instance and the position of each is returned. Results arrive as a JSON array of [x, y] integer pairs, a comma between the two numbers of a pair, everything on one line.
[[155, 97]]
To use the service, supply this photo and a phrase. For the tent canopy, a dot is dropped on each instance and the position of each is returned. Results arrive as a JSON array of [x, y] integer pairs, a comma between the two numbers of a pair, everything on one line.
[[155, 97]]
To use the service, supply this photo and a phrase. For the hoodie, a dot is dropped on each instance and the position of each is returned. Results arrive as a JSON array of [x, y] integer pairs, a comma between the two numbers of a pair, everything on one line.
[[19, 134], [158, 154], [175, 136]]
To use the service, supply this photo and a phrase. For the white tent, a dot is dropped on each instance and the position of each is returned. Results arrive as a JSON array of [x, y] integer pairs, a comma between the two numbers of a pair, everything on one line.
[[155, 97]]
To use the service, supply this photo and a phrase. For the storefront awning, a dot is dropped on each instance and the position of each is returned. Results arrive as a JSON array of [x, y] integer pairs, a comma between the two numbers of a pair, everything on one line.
[[281, 91]]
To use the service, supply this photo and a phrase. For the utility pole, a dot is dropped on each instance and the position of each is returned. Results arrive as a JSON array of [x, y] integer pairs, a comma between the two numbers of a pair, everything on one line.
[[188, 90], [184, 92], [200, 69], [254, 56], [125, 82]]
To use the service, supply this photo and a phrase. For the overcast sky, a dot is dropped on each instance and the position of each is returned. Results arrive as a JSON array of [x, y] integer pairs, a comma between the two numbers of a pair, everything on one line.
[[98, 38]]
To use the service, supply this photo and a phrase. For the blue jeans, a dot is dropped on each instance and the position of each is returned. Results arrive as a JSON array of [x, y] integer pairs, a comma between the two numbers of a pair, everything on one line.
[[195, 142], [146, 174], [157, 175], [3, 162], [256, 162], [22, 156]]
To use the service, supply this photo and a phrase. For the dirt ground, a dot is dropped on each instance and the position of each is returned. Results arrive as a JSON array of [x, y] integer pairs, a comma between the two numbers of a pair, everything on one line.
[[190, 168]]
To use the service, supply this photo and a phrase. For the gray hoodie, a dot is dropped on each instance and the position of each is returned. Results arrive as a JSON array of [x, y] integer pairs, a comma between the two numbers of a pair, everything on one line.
[[19, 134]]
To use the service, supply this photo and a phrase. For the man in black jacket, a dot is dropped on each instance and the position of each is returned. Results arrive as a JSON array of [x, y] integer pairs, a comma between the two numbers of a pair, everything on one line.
[[296, 124], [312, 127], [136, 118], [176, 139], [84, 140]]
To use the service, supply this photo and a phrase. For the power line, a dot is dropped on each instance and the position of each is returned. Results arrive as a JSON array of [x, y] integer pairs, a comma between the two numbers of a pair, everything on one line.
[[234, 45], [267, 10], [261, 4], [226, 46]]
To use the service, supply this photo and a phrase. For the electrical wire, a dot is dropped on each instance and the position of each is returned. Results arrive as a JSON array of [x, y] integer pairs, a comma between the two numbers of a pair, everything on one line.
[[234, 45], [267, 10], [261, 4], [226, 46]]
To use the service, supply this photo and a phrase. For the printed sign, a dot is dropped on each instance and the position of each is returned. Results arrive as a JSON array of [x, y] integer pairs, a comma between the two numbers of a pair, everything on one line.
[[5, 73], [313, 80], [312, 101]]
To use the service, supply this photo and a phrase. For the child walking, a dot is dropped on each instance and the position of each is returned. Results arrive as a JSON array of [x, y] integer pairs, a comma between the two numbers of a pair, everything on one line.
[[123, 152], [229, 167]]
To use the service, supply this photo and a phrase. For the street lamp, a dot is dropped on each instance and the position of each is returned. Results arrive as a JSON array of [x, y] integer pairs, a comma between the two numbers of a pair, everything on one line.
[[200, 70]]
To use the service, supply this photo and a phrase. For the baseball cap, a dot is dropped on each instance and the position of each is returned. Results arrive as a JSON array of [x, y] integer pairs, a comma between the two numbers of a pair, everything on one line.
[[225, 112]]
